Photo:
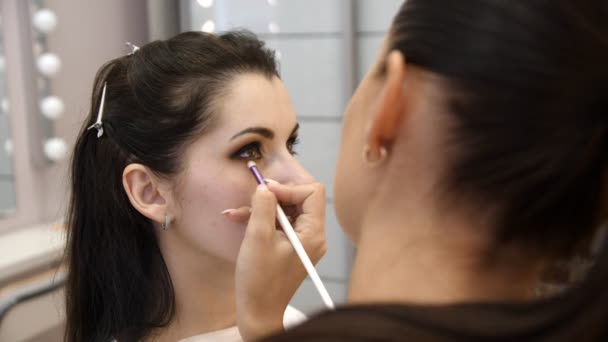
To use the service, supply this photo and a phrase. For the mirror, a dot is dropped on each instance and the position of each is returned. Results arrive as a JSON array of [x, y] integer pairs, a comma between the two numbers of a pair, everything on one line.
[[7, 177]]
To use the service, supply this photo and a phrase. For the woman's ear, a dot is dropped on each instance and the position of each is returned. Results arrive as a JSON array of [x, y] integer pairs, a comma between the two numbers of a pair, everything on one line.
[[390, 108], [144, 192]]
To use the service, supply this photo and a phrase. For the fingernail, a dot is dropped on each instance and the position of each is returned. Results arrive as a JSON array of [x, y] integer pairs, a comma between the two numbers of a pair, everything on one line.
[[268, 180], [262, 187], [228, 212]]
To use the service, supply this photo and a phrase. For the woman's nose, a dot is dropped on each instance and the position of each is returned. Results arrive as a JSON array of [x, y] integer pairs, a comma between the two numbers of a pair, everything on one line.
[[290, 171]]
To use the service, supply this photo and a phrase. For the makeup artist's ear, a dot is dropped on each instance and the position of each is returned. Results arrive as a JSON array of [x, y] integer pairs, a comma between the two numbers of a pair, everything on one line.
[[389, 111], [144, 192]]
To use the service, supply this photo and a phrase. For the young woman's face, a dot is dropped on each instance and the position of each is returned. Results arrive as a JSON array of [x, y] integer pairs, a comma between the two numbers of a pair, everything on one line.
[[254, 121]]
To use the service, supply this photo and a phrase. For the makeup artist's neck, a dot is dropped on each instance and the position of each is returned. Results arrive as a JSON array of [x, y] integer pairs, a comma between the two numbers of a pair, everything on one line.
[[204, 295], [406, 254]]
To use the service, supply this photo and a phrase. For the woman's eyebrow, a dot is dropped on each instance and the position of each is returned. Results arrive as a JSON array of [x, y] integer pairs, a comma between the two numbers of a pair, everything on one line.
[[263, 131]]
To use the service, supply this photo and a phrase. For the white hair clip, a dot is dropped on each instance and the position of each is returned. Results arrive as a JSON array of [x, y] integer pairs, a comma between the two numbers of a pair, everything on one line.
[[133, 48], [98, 125]]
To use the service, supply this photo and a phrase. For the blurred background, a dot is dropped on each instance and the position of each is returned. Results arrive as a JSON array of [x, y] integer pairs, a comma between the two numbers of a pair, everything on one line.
[[49, 53]]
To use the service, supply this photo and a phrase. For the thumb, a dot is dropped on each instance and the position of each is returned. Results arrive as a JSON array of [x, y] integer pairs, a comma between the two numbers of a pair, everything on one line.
[[263, 213]]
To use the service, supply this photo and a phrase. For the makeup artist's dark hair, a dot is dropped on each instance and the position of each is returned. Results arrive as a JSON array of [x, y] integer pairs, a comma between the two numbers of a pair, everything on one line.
[[158, 100], [526, 85], [527, 92]]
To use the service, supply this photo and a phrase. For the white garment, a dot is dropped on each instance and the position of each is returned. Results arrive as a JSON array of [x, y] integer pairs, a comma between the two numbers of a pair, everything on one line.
[[291, 318]]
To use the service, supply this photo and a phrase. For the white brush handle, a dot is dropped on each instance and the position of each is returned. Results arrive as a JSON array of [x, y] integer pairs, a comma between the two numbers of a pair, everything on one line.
[[310, 268]]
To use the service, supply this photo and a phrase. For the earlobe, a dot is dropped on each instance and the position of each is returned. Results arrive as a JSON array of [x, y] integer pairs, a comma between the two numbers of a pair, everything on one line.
[[144, 193], [389, 112]]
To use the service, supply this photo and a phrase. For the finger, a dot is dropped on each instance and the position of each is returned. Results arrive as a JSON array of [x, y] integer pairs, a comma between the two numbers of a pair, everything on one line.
[[309, 197], [263, 214], [315, 203], [310, 220], [295, 194], [239, 215]]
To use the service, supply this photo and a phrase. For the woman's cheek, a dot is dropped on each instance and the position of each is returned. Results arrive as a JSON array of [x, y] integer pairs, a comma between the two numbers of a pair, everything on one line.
[[235, 193]]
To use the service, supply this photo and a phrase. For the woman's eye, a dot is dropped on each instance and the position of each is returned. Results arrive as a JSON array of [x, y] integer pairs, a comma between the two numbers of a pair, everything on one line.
[[250, 152], [291, 144]]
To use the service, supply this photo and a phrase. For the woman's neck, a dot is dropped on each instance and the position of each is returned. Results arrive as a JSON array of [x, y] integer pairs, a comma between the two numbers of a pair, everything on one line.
[[406, 255], [204, 295]]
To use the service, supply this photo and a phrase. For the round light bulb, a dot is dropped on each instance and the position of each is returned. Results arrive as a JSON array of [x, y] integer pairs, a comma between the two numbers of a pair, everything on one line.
[[272, 2], [4, 106], [55, 149], [45, 20], [273, 27], [205, 3], [208, 26], [8, 147], [48, 64], [52, 107]]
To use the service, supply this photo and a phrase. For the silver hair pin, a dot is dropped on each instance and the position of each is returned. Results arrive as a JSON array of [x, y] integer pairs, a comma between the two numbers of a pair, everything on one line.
[[98, 125], [133, 48]]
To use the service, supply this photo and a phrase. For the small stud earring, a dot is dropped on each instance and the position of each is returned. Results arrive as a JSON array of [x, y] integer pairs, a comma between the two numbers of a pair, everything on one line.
[[379, 157]]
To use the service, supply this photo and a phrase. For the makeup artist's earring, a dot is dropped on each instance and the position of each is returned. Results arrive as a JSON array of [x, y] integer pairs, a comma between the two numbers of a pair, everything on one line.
[[167, 222], [375, 158]]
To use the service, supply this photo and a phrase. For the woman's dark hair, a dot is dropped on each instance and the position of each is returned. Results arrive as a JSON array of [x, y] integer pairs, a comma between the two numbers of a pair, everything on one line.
[[158, 100], [527, 92]]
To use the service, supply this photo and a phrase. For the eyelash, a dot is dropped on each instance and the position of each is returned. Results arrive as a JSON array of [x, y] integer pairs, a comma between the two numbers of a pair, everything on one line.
[[245, 152], [291, 145]]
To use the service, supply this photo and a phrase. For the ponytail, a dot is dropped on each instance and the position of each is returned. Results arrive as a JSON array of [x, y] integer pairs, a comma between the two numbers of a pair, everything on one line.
[[111, 250]]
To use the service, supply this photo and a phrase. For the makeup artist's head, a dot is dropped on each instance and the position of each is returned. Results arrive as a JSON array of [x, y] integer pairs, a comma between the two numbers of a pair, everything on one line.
[[494, 119], [181, 119]]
